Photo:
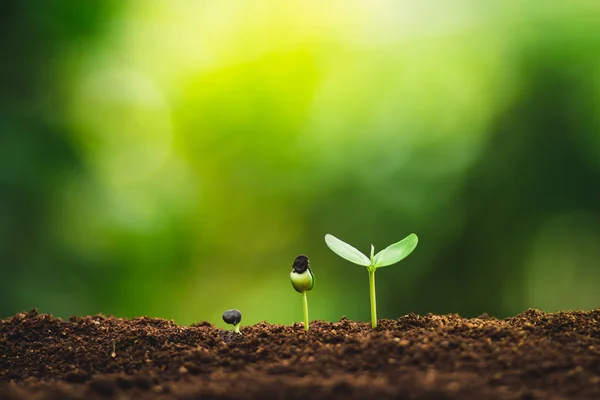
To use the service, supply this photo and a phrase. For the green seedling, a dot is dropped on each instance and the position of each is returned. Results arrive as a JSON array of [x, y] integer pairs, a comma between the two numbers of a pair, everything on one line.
[[303, 280], [388, 256], [233, 317]]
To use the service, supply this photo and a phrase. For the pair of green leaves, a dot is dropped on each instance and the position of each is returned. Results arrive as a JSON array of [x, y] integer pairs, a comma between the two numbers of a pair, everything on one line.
[[388, 256]]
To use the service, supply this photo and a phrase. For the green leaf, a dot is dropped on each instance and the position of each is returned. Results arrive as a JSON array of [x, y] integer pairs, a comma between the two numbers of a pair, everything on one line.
[[396, 252], [346, 251]]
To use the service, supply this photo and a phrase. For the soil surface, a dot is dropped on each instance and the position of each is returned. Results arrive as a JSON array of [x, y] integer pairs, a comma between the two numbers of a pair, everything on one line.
[[531, 356]]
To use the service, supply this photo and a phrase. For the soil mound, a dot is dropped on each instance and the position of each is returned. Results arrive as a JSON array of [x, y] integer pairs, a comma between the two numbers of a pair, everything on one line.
[[533, 355]]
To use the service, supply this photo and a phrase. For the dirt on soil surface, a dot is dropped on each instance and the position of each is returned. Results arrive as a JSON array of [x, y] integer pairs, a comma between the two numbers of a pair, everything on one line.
[[531, 356]]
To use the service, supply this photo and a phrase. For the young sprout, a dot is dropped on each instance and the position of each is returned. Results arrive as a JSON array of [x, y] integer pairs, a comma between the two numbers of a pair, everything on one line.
[[233, 317], [303, 280], [388, 256]]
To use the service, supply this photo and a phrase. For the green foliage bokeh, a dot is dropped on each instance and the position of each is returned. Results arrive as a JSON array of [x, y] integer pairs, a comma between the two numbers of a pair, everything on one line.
[[172, 159]]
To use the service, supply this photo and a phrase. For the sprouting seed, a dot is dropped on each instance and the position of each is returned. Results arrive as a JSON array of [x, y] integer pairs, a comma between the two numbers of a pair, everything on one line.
[[388, 256], [233, 317], [303, 280]]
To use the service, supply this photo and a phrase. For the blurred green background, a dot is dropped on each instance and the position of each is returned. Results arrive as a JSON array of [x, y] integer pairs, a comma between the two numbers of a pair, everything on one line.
[[172, 158]]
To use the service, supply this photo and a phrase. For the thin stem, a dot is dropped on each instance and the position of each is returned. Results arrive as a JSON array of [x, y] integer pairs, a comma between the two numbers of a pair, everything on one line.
[[236, 329], [305, 309], [373, 299]]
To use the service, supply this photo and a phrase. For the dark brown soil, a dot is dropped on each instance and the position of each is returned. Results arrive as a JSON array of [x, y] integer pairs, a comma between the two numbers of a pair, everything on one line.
[[531, 356]]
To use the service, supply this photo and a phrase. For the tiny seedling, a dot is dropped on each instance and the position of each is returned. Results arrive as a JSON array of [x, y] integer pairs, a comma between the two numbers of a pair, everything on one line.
[[303, 280], [388, 256], [233, 317]]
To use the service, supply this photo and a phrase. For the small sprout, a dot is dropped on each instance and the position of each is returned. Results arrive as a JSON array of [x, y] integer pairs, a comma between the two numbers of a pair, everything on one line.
[[388, 256], [303, 280], [233, 317]]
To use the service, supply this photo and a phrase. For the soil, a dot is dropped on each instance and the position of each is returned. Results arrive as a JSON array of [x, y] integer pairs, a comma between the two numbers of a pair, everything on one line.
[[533, 355]]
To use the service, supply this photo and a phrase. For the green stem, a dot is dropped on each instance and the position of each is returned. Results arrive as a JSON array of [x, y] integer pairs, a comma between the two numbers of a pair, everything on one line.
[[305, 309], [236, 328], [373, 299]]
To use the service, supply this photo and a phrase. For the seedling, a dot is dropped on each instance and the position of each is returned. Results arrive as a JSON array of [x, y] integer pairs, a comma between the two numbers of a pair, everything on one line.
[[303, 280], [388, 256], [233, 317]]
